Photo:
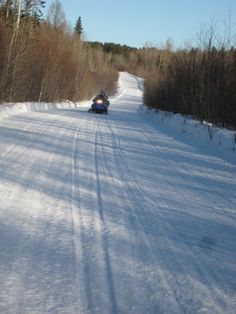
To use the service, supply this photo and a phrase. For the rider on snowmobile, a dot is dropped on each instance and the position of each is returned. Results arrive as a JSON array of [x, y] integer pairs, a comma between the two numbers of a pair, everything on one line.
[[103, 96]]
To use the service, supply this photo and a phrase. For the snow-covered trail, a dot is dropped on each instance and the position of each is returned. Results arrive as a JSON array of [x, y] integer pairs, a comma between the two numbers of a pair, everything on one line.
[[112, 214]]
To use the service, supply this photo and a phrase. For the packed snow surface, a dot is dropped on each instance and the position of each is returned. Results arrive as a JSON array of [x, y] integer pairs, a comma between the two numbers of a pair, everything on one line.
[[115, 213]]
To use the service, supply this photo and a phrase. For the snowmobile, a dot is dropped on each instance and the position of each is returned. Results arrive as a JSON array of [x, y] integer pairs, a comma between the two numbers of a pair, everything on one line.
[[99, 106]]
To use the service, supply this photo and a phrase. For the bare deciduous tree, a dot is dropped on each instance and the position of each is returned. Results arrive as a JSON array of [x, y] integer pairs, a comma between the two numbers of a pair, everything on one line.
[[56, 15]]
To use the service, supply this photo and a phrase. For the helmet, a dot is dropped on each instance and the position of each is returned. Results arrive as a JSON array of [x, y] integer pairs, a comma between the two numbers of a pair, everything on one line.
[[102, 92]]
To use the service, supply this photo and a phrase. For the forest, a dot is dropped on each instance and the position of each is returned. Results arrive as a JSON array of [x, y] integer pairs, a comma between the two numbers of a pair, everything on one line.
[[43, 59]]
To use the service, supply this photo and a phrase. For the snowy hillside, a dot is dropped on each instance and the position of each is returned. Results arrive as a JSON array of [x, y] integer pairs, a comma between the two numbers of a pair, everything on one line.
[[121, 213]]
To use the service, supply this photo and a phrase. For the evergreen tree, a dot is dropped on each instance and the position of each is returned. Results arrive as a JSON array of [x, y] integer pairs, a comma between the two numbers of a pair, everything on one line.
[[78, 27]]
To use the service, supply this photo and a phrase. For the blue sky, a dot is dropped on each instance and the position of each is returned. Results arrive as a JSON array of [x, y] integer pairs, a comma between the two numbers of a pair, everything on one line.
[[137, 22]]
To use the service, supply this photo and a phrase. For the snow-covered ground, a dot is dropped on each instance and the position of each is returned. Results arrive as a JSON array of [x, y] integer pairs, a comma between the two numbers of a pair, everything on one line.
[[113, 214]]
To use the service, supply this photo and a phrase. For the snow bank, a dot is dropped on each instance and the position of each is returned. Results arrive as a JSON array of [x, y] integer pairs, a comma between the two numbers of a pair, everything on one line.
[[7, 110], [220, 140]]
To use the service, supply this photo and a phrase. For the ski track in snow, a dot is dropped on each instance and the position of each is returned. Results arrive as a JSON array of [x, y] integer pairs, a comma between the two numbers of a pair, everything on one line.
[[113, 214]]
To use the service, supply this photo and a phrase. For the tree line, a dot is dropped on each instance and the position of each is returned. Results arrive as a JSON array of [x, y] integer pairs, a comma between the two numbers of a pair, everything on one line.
[[44, 60], [197, 81]]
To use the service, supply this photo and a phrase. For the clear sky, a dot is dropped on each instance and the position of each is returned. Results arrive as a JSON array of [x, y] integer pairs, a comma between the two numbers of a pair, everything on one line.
[[137, 22]]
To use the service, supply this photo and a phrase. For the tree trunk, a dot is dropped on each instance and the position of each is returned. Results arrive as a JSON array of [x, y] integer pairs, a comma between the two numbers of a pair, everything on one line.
[[19, 7]]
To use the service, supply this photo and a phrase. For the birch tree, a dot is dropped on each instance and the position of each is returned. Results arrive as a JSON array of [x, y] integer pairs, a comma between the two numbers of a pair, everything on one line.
[[18, 16]]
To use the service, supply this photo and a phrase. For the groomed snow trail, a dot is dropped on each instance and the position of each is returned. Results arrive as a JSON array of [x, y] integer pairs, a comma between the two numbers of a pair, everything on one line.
[[113, 214]]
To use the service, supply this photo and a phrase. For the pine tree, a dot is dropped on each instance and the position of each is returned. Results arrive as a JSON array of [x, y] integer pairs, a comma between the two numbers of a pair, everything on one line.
[[78, 27]]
